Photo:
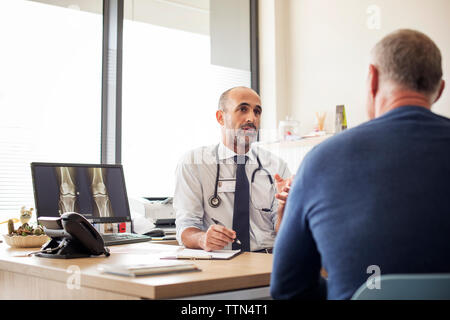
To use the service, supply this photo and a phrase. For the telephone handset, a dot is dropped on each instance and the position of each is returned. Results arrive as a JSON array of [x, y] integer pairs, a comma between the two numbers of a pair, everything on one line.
[[72, 236]]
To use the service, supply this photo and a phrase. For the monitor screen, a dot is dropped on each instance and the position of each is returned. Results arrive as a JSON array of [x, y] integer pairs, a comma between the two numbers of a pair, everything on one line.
[[96, 191]]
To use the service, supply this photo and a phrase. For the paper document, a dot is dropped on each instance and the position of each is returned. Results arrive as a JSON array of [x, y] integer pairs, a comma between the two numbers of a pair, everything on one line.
[[198, 254], [165, 238], [159, 267]]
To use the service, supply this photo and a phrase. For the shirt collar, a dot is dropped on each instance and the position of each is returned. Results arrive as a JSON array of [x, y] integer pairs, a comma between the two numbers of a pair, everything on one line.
[[226, 153]]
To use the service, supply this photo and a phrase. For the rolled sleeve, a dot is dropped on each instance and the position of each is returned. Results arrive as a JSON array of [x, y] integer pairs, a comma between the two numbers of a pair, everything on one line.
[[188, 199]]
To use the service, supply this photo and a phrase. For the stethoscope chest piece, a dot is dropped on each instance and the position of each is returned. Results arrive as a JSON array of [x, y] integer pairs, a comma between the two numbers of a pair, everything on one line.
[[214, 201]]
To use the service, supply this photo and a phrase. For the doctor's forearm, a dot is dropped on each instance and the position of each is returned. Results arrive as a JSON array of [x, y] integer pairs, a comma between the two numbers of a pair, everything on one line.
[[191, 237], [278, 222]]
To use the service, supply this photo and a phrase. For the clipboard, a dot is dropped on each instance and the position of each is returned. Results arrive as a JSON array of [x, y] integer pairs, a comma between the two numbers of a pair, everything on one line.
[[198, 254]]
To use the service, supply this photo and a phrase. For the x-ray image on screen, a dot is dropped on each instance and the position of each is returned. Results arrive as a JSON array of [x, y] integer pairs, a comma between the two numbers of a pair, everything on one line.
[[96, 192], [102, 204], [68, 193], [67, 201]]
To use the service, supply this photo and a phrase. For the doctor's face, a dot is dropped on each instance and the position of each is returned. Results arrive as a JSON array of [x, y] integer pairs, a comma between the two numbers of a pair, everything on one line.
[[240, 119]]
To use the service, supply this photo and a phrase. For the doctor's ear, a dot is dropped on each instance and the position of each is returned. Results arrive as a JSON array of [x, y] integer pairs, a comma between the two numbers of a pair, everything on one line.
[[219, 117]]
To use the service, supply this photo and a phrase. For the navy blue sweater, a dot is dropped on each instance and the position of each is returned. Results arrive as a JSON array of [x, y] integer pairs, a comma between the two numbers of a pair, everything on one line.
[[377, 194]]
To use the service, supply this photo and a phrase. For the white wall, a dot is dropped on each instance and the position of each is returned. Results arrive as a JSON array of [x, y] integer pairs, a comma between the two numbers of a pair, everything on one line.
[[325, 46], [273, 31]]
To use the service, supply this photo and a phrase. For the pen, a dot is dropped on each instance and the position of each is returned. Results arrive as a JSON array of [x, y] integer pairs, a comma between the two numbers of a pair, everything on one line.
[[218, 222]]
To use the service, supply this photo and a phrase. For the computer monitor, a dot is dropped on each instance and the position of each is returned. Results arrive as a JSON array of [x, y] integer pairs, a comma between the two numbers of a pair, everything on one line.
[[97, 191]]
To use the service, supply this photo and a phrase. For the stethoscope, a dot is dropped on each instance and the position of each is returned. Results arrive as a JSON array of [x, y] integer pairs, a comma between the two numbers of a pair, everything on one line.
[[215, 201]]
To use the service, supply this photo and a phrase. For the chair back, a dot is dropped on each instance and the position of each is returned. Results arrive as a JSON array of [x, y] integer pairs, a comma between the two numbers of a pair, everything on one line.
[[407, 287]]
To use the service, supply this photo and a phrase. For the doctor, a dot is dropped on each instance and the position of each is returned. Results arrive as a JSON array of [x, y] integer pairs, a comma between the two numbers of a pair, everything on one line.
[[225, 194]]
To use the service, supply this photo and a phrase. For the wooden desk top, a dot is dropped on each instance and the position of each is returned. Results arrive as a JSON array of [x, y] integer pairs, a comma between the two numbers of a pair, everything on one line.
[[247, 270]]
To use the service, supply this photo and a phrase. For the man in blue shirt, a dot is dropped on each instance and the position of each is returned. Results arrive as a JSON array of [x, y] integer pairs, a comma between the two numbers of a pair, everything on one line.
[[375, 197]]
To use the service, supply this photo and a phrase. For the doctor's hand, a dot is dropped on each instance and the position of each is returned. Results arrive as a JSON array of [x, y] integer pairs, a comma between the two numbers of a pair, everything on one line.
[[282, 199], [283, 188], [216, 238], [281, 183]]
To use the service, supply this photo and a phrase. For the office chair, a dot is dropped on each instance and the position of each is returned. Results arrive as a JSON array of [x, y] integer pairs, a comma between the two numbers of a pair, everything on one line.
[[408, 287]]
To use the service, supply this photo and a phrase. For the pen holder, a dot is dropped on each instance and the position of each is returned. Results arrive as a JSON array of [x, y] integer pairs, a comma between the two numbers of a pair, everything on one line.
[[320, 120]]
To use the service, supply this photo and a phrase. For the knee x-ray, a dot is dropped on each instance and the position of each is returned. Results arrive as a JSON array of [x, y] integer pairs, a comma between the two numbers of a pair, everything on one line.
[[69, 193], [96, 191]]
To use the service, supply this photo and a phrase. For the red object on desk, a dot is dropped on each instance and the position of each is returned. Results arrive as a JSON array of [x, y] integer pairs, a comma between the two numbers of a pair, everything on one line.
[[122, 227]]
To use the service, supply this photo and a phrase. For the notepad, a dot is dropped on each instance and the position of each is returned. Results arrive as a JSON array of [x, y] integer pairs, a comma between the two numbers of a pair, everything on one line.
[[198, 254], [154, 268]]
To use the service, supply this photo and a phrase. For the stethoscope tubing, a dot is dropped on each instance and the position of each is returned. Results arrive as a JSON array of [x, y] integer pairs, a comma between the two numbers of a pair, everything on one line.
[[214, 200]]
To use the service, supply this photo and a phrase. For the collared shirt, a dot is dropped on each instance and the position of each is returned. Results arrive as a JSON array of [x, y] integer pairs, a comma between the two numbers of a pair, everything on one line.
[[196, 179]]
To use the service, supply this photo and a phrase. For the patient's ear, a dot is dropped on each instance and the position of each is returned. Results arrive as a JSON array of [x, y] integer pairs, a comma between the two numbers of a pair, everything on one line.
[[373, 80], [219, 117], [372, 89]]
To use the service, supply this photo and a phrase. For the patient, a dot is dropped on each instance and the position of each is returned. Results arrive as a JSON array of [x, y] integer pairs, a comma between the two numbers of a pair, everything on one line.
[[378, 194]]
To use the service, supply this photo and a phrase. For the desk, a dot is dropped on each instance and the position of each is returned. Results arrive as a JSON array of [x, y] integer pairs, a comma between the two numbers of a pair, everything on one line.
[[41, 278]]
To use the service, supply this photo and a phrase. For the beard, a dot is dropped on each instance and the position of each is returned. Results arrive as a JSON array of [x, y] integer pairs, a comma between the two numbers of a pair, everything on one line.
[[239, 139], [244, 137]]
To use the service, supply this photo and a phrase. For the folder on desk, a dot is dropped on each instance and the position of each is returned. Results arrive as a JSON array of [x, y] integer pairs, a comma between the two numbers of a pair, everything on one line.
[[155, 268], [198, 254]]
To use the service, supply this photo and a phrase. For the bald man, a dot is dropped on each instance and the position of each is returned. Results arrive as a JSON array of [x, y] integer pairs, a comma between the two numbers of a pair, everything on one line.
[[226, 194]]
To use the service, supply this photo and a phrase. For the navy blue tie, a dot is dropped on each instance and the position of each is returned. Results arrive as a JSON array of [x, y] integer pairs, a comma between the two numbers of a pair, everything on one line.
[[241, 215]]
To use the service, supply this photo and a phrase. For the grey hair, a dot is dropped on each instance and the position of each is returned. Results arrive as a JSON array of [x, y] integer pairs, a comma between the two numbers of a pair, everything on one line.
[[224, 96], [410, 59]]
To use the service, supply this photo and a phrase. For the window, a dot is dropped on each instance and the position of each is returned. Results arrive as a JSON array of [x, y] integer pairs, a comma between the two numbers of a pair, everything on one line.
[[50, 90], [178, 57]]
